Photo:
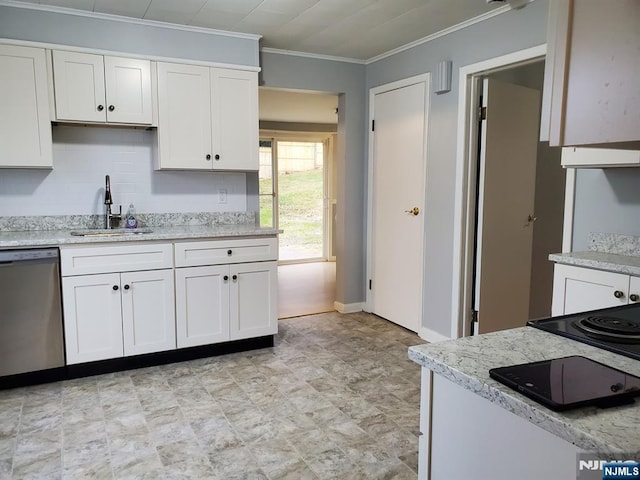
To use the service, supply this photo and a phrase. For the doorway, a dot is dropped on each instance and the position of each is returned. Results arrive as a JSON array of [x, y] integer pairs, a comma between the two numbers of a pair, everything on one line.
[[544, 222], [295, 191]]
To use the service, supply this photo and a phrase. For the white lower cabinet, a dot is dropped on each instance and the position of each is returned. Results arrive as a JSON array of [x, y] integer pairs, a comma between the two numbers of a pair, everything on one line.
[[130, 300], [580, 289], [92, 317], [219, 300], [116, 313], [253, 300], [202, 305]]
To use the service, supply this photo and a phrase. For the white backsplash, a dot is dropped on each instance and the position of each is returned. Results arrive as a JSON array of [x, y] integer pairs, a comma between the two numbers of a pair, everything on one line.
[[82, 156]]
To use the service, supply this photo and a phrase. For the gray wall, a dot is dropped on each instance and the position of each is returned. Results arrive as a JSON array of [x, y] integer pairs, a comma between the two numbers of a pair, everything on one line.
[[607, 200], [100, 34], [509, 32], [348, 81]]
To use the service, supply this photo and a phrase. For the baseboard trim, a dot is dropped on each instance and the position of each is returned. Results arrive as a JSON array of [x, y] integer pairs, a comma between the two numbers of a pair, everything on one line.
[[348, 307], [137, 361], [431, 336]]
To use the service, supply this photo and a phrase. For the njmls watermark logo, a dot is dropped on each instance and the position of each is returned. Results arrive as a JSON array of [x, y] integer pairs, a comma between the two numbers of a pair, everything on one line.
[[593, 466]]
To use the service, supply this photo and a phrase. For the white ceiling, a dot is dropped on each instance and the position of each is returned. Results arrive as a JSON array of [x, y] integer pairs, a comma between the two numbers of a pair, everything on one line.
[[356, 29]]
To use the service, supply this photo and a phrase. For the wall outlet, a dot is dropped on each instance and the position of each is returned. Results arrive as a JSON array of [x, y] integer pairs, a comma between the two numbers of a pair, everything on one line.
[[222, 195]]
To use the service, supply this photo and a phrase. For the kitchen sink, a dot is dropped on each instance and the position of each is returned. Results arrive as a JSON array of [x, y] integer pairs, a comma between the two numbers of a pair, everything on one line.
[[111, 232]]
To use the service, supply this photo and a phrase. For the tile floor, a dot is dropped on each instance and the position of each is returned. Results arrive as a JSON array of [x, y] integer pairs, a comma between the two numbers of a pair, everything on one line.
[[335, 398]]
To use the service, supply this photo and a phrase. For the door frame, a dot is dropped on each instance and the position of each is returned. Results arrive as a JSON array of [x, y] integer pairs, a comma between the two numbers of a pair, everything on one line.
[[370, 248], [466, 182]]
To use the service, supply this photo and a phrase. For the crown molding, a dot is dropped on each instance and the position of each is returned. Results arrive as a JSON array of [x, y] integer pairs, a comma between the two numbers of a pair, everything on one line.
[[119, 18], [446, 31], [316, 56]]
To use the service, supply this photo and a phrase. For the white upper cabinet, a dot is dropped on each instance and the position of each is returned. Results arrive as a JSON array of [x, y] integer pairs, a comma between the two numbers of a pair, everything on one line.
[[25, 127], [591, 94], [207, 118], [579, 157], [184, 117], [93, 88], [234, 112]]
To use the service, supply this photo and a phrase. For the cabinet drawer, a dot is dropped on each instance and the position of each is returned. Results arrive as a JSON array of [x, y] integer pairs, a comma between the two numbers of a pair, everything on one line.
[[218, 252], [106, 259]]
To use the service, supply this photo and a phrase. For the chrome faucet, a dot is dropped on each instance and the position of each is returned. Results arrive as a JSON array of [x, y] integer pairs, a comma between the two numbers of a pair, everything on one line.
[[108, 201]]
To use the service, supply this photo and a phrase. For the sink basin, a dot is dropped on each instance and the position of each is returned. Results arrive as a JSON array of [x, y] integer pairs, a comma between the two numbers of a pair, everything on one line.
[[111, 232]]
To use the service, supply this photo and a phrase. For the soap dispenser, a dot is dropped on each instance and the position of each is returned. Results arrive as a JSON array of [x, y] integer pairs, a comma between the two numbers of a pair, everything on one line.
[[131, 221]]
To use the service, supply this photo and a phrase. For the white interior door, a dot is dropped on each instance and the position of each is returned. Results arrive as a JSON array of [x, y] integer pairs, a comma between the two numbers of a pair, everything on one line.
[[507, 178], [398, 203]]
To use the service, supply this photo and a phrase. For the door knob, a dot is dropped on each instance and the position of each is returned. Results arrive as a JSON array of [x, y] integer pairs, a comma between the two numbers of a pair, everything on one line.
[[634, 297], [530, 220], [618, 294], [414, 211]]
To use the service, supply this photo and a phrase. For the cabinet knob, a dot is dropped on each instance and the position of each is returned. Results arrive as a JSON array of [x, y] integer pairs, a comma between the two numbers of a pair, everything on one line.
[[226, 277], [111, 108], [127, 287], [100, 108], [208, 157], [229, 252], [235, 277], [115, 287], [217, 157], [618, 294], [634, 297]]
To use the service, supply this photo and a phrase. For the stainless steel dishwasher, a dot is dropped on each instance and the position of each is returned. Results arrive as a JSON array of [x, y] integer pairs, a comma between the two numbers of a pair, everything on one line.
[[31, 337]]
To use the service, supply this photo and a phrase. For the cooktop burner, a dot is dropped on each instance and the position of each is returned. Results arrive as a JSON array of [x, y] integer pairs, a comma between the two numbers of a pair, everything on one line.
[[614, 329]]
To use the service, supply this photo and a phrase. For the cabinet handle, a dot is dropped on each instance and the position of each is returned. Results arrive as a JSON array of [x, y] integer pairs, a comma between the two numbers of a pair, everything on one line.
[[208, 157], [226, 277], [111, 108], [127, 287], [229, 252], [235, 277], [100, 108], [618, 294], [634, 297], [115, 287], [217, 157]]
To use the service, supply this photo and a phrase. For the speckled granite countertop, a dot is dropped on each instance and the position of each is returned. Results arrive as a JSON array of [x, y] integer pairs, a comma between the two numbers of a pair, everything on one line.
[[610, 262], [41, 238], [607, 251], [467, 361]]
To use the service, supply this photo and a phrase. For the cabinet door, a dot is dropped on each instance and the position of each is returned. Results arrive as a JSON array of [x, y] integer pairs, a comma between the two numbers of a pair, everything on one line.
[[202, 305], [92, 317], [253, 300], [634, 289], [128, 90], [577, 289], [596, 70], [184, 117], [148, 318], [79, 86], [234, 114], [25, 129]]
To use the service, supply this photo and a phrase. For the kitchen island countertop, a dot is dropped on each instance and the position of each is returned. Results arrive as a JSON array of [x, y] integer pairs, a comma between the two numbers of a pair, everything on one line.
[[466, 362], [53, 238]]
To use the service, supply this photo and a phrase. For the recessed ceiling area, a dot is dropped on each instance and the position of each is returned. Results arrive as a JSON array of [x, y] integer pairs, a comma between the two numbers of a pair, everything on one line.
[[354, 29], [278, 105]]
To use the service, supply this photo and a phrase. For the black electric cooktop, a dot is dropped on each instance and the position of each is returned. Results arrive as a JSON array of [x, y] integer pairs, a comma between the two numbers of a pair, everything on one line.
[[616, 329], [570, 382]]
